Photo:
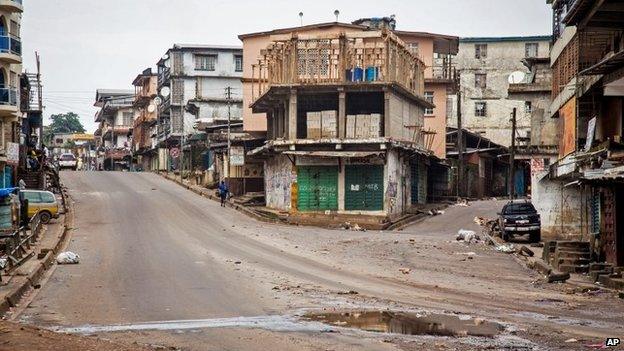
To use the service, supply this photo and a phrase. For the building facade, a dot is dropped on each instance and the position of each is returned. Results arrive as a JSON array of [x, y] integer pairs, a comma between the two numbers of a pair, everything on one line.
[[345, 120], [196, 84], [485, 66], [584, 189], [112, 137], [10, 71], [145, 115]]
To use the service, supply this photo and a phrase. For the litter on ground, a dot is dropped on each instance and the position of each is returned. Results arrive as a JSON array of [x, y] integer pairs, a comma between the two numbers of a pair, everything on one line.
[[467, 236], [68, 257]]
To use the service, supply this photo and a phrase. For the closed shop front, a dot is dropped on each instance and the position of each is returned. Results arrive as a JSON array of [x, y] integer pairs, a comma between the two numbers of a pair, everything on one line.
[[318, 188], [364, 187], [419, 183]]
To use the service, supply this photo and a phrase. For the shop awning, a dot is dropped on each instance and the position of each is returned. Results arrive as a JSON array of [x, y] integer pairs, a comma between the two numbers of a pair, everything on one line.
[[345, 154]]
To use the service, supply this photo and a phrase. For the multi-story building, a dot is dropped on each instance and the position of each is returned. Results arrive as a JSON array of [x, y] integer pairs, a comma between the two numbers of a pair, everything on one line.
[[582, 196], [10, 70], [344, 109], [485, 66], [115, 118], [193, 82], [145, 115]]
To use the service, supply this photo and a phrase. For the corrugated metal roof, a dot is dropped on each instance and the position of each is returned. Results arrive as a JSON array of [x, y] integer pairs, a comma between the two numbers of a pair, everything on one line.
[[505, 39]]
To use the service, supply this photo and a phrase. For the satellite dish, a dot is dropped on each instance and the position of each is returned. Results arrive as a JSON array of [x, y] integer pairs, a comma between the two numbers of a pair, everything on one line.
[[516, 77], [165, 57], [157, 101], [165, 91], [151, 108]]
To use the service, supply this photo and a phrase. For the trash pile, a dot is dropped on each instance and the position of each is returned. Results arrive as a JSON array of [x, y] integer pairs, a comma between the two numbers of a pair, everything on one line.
[[67, 257], [467, 236], [462, 203], [353, 227]]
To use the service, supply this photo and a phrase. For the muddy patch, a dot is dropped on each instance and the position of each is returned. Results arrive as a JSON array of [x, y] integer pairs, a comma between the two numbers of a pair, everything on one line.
[[409, 323]]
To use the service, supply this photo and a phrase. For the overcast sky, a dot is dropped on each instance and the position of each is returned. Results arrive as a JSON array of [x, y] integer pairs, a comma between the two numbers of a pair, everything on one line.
[[90, 44]]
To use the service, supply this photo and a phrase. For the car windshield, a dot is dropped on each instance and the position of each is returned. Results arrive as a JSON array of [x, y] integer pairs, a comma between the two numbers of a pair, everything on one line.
[[520, 208], [68, 157]]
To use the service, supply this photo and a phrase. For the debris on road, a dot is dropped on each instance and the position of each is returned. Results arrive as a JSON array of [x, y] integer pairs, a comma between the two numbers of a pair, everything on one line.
[[525, 251], [405, 270], [3, 263], [68, 257], [350, 292], [467, 236], [506, 248], [354, 227], [556, 276], [462, 203]]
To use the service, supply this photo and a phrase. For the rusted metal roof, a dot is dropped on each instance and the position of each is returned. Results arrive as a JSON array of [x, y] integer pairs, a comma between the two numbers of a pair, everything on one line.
[[347, 154]]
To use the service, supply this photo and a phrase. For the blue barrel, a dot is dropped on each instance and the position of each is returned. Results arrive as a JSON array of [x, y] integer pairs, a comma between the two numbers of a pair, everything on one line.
[[358, 74], [349, 75], [371, 74]]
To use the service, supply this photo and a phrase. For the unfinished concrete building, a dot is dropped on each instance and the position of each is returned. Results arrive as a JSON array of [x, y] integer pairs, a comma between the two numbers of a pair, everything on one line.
[[485, 65], [345, 123]]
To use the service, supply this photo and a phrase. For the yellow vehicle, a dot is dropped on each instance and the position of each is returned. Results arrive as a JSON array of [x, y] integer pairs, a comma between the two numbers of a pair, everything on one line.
[[43, 202]]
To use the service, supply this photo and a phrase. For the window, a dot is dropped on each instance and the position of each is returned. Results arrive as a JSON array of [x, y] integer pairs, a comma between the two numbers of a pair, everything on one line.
[[238, 63], [528, 107], [480, 51], [205, 62], [481, 80], [126, 118], [48, 198], [59, 141], [33, 197], [480, 109], [429, 98], [413, 48], [530, 49]]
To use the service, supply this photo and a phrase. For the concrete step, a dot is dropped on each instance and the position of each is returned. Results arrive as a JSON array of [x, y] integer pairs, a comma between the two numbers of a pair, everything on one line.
[[572, 254], [569, 268], [612, 283], [574, 261], [597, 274], [599, 266], [573, 244]]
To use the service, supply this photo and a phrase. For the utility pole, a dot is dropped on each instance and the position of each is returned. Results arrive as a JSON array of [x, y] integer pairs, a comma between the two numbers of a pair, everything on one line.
[[182, 145], [460, 141], [512, 156], [228, 96]]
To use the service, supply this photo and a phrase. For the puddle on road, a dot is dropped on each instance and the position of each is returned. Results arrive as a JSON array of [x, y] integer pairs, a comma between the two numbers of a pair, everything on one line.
[[409, 323]]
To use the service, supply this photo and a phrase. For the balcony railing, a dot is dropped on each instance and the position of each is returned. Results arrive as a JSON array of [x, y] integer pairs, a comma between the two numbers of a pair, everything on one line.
[[163, 75], [8, 96], [353, 58], [10, 44]]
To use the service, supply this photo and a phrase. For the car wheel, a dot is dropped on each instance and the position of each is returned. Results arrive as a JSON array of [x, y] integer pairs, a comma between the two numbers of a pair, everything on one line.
[[45, 217], [535, 237], [505, 236]]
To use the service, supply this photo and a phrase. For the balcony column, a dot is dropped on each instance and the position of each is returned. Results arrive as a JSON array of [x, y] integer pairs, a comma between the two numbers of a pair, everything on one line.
[[342, 114], [292, 115], [386, 117]]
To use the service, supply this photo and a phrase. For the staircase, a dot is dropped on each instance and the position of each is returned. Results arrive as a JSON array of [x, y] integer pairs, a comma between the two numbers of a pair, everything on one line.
[[570, 256], [33, 180], [607, 275]]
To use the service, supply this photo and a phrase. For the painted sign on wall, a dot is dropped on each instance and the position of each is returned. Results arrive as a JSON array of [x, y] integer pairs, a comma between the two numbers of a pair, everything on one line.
[[12, 153], [237, 156]]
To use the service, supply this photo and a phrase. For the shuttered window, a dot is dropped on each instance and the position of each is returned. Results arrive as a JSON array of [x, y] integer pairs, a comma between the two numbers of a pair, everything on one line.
[[318, 188], [364, 188]]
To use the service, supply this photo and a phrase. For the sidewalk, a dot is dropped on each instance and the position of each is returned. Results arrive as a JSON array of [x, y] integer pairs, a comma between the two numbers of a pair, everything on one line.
[[313, 219], [29, 274]]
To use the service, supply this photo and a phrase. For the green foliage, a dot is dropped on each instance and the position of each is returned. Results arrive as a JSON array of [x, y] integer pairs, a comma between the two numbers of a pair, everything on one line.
[[62, 123]]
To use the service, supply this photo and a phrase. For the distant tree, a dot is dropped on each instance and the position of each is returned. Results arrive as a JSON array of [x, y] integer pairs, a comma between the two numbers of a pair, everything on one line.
[[62, 123]]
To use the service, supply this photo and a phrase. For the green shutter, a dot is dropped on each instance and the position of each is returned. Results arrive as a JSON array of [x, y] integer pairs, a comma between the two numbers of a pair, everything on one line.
[[415, 181], [364, 188], [318, 188]]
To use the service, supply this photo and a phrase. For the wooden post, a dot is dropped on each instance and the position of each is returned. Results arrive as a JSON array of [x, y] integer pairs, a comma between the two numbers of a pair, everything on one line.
[[460, 143], [512, 156]]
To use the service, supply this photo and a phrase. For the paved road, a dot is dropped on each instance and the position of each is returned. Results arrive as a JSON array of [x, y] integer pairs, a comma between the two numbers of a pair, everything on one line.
[[152, 251]]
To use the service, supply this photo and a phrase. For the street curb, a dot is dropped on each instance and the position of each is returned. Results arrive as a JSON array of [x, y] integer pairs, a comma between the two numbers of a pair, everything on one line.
[[33, 278], [206, 193]]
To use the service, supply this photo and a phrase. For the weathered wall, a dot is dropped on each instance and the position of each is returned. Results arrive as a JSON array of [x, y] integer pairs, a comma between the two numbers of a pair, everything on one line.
[[560, 207], [279, 177], [403, 113], [503, 58], [397, 180], [437, 121]]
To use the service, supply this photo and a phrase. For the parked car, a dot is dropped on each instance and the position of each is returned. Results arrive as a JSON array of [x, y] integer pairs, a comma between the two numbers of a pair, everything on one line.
[[519, 217], [68, 161], [43, 202]]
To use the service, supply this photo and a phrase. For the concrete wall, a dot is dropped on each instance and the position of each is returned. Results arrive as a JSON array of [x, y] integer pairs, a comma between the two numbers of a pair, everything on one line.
[[397, 185], [437, 121], [279, 176], [402, 113], [503, 58], [560, 207]]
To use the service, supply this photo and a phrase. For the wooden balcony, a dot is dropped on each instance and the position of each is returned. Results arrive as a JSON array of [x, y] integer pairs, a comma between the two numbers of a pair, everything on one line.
[[372, 57]]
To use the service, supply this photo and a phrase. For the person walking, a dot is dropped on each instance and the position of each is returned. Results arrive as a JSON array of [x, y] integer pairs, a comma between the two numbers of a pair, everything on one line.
[[223, 192]]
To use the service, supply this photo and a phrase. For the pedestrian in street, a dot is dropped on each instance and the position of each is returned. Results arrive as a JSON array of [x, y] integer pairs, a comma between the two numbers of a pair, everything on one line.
[[223, 192]]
